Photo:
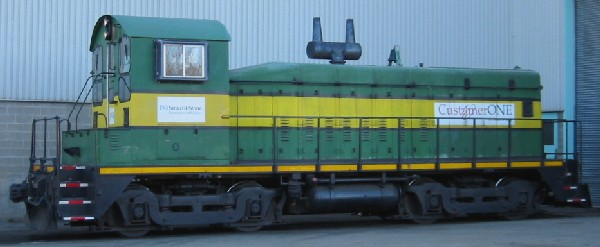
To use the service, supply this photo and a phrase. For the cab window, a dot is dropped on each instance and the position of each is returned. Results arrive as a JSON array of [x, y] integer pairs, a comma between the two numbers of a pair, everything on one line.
[[97, 69], [124, 68], [125, 50], [181, 60]]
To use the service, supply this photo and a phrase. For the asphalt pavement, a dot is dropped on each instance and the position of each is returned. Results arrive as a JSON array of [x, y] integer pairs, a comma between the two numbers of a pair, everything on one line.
[[19, 224], [554, 227]]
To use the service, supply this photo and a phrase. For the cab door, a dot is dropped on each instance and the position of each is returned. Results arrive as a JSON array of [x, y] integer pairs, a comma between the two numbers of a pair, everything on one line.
[[119, 82], [111, 83]]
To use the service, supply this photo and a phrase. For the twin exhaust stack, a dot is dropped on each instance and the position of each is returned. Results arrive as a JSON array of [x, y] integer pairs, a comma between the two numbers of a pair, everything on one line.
[[337, 52]]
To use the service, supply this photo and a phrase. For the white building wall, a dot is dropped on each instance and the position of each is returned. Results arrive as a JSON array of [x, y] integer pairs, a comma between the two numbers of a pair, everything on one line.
[[44, 44]]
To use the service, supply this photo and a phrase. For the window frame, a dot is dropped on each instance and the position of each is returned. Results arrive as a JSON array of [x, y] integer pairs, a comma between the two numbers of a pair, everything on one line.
[[125, 55], [160, 60], [111, 56], [98, 67], [98, 60]]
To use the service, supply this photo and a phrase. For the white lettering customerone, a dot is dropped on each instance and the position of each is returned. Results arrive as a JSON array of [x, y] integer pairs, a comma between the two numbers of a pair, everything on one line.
[[181, 110], [452, 113]]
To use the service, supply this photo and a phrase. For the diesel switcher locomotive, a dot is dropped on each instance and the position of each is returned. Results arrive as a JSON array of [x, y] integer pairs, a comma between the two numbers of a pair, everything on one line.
[[179, 140]]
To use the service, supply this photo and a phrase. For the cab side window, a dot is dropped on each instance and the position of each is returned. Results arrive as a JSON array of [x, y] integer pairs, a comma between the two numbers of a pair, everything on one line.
[[125, 55], [181, 61], [98, 92], [124, 69]]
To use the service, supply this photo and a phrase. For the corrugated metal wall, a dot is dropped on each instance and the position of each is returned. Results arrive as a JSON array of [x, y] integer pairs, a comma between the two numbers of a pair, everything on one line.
[[587, 88], [43, 44]]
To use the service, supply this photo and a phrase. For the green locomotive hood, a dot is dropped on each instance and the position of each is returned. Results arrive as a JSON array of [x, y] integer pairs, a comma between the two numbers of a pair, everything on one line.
[[392, 76]]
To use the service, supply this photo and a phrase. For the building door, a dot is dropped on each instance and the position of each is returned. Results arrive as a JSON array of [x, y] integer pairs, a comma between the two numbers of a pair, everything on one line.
[[587, 89]]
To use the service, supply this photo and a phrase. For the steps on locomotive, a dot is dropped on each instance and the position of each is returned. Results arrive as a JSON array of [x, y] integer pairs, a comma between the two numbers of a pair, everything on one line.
[[75, 194], [576, 194]]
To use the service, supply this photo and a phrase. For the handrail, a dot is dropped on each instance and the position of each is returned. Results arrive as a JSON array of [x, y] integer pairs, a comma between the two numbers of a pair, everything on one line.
[[437, 123], [33, 158]]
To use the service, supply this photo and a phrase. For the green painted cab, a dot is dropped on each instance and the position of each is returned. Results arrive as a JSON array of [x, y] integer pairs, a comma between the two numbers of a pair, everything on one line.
[[160, 94]]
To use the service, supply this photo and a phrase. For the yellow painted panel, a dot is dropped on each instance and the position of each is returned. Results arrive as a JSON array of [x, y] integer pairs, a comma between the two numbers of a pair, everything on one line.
[[383, 108], [233, 102], [296, 168], [102, 114], [491, 165], [364, 107], [245, 107], [526, 164], [421, 108], [379, 167], [233, 111], [554, 163], [403, 109], [418, 109], [337, 168], [537, 109], [309, 106], [185, 169], [263, 106], [284, 106], [463, 165], [347, 107], [328, 107], [425, 166]]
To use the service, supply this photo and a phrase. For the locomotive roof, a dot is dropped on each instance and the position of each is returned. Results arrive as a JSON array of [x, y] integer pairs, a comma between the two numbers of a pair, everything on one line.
[[381, 75], [166, 28]]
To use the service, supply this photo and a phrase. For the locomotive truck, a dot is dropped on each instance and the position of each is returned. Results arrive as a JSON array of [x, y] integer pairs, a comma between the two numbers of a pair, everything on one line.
[[179, 140]]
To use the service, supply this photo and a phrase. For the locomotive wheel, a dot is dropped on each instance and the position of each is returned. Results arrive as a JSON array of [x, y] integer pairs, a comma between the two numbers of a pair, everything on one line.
[[414, 211], [243, 184], [132, 233], [412, 205], [244, 227], [249, 228], [530, 203], [123, 231]]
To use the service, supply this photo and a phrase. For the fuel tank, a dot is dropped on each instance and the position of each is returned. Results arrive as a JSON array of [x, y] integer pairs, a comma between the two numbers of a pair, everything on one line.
[[353, 198]]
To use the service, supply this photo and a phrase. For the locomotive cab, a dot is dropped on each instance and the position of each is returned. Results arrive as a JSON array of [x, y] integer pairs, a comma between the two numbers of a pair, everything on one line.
[[165, 82], [135, 60]]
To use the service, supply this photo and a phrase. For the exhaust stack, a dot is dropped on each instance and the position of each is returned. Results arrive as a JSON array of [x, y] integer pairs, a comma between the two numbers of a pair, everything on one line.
[[337, 52]]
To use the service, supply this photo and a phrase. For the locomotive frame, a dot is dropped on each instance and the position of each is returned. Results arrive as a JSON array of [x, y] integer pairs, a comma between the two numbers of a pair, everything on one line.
[[242, 148]]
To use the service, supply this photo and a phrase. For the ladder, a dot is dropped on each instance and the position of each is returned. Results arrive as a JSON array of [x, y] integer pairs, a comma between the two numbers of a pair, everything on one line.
[[65, 188]]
